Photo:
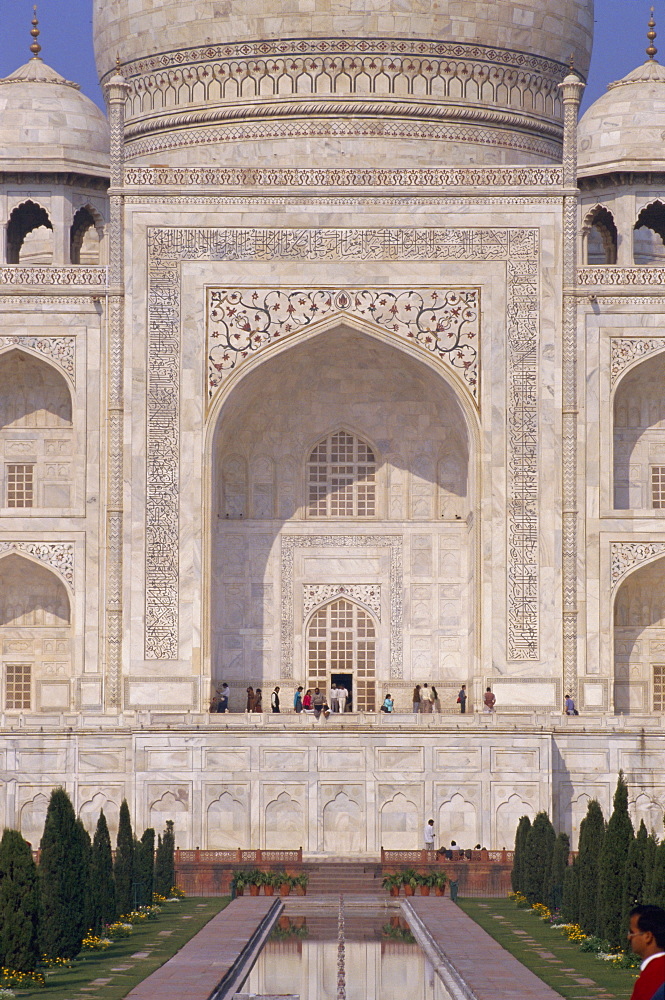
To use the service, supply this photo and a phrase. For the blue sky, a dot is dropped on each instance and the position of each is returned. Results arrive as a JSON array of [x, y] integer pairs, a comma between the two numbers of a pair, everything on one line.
[[66, 39]]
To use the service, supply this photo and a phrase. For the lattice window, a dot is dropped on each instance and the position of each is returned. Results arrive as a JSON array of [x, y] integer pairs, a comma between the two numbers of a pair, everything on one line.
[[659, 687], [342, 478], [341, 639], [658, 486], [18, 678], [20, 485]]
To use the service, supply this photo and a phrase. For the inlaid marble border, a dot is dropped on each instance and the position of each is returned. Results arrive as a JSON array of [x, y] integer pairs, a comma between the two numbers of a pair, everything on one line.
[[626, 556], [61, 350], [58, 555], [168, 247], [393, 542]]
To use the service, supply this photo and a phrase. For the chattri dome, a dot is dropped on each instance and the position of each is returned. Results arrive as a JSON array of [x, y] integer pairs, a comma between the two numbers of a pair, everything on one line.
[[473, 82], [48, 126]]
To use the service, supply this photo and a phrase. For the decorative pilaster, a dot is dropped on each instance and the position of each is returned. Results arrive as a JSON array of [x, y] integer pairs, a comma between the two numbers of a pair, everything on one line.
[[116, 93], [571, 89]]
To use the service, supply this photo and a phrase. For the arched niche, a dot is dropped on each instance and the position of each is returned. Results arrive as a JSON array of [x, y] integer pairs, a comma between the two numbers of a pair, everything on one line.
[[228, 822], [85, 237], [285, 823], [639, 437], [29, 235], [349, 382], [31, 595], [401, 824], [458, 821], [343, 826], [649, 236], [639, 641], [600, 235]]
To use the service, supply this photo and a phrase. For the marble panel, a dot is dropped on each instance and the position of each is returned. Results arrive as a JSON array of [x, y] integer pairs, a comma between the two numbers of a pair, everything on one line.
[[285, 817], [342, 811], [341, 760], [522, 761], [112, 760], [589, 760], [48, 759], [400, 816], [170, 801], [397, 759], [458, 760], [639, 761], [168, 760], [226, 760], [167, 692], [284, 760], [458, 815], [227, 816]]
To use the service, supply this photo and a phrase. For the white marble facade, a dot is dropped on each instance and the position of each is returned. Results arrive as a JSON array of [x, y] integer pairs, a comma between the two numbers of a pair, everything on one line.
[[317, 362]]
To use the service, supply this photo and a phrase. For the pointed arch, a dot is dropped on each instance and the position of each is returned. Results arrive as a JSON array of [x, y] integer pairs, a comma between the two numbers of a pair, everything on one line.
[[600, 234], [24, 219], [31, 593], [85, 236], [638, 625], [341, 640], [649, 235], [638, 435], [341, 477]]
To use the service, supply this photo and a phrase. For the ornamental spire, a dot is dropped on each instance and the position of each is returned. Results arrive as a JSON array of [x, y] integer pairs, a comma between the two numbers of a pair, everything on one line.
[[651, 34], [35, 48]]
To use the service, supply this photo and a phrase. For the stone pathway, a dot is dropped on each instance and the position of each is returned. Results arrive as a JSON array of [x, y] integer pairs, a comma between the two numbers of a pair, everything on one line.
[[489, 971], [197, 969]]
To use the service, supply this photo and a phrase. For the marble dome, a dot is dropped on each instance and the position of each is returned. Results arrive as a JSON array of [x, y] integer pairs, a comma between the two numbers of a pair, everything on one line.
[[415, 81], [624, 130], [48, 126]]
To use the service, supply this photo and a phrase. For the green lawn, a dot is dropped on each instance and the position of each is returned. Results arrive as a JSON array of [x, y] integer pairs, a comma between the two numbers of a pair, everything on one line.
[[574, 974], [116, 971]]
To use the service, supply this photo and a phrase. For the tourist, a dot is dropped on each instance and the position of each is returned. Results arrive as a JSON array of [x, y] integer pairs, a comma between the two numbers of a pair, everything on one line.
[[435, 699], [426, 700], [251, 697], [318, 702], [307, 701], [646, 935], [332, 700], [461, 699], [274, 701], [214, 702], [297, 701], [489, 701], [342, 698], [429, 835], [258, 700], [387, 704], [223, 705], [570, 706], [415, 698]]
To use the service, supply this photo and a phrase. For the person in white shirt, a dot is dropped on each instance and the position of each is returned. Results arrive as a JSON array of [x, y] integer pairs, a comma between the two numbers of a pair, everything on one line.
[[429, 835], [332, 699], [426, 699], [342, 695]]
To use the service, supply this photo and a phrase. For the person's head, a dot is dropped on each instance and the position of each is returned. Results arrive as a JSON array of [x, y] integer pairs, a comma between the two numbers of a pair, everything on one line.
[[463, 687], [389, 695], [258, 690], [250, 690], [334, 686], [425, 684], [300, 688], [308, 691], [316, 691], [567, 697], [430, 822], [277, 688], [646, 931], [224, 686], [453, 843], [488, 690]]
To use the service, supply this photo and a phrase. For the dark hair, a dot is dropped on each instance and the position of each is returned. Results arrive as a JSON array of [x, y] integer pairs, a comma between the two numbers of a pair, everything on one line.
[[651, 918]]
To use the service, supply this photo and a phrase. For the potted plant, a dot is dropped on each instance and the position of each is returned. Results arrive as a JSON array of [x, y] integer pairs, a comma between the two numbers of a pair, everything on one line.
[[393, 883], [286, 884], [254, 879], [426, 883], [439, 880], [268, 882], [300, 881], [238, 884], [410, 880]]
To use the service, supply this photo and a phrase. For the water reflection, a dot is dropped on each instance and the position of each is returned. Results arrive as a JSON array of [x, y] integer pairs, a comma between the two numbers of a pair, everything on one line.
[[382, 959]]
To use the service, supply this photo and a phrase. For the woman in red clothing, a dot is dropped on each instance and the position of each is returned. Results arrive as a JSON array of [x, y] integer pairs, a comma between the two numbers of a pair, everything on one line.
[[647, 939]]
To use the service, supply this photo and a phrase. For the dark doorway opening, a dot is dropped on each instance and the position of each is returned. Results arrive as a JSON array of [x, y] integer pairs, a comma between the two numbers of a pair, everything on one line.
[[345, 681]]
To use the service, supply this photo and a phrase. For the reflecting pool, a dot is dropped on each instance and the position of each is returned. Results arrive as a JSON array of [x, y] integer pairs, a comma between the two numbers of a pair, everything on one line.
[[381, 959]]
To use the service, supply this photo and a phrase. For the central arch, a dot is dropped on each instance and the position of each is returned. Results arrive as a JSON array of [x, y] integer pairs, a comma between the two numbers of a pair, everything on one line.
[[421, 433], [341, 649]]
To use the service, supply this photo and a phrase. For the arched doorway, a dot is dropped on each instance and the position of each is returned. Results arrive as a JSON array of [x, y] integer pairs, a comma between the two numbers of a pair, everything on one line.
[[341, 650], [639, 641]]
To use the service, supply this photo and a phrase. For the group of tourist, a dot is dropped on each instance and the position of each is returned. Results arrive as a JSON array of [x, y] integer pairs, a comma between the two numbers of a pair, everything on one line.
[[425, 699], [315, 703]]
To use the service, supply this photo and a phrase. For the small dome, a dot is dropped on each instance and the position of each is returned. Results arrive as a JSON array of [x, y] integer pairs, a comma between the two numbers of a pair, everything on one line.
[[47, 125], [624, 130]]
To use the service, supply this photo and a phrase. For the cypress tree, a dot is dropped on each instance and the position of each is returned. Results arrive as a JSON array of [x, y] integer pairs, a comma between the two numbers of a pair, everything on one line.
[[123, 868], [538, 858], [19, 904], [516, 875], [634, 875], [145, 864], [62, 880], [612, 866], [657, 881], [164, 861], [557, 875], [649, 867], [592, 832], [101, 877], [570, 906], [85, 847]]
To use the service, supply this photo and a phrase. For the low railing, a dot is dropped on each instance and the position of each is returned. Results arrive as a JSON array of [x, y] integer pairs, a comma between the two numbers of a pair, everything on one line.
[[423, 857], [238, 856]]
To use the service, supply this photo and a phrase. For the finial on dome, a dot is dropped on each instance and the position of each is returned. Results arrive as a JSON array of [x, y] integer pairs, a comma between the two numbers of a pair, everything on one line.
[[117, 62], [35, 48], [651, 34], [571, 62]]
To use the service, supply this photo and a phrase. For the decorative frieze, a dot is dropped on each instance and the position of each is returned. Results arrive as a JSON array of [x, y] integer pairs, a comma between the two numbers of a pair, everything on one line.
[[394, 543], [58, 349], [589, 276], [444, 321], [57, 555], [315, 594], [518, 249], [33, 274], [624, 351], [625, 556]]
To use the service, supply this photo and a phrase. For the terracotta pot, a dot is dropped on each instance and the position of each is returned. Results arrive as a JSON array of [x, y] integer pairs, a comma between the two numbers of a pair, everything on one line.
[[394, 890], [284, 923], [284, 889], [240, 891], [301, 890], [408, 890], [440, 892], [424, 890], [254, 890], [269, 890]]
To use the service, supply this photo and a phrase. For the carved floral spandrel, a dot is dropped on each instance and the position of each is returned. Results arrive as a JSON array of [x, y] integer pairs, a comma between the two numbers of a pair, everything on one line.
[[518, 249], [57, 555], [625, 556], [625, 350], [442, 321], [320, 593], [58, 349]]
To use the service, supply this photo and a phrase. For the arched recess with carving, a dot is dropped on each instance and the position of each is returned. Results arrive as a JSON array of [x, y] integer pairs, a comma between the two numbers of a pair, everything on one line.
[[269, 415], [29, 235], [228, 820], [458, 821], [344, 827], [35, 636], [284, 823], [401, 823], [600, 237], [639, 436], [40, 457], [649, 235], [639, 640], [86, 237], [342, 640]]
